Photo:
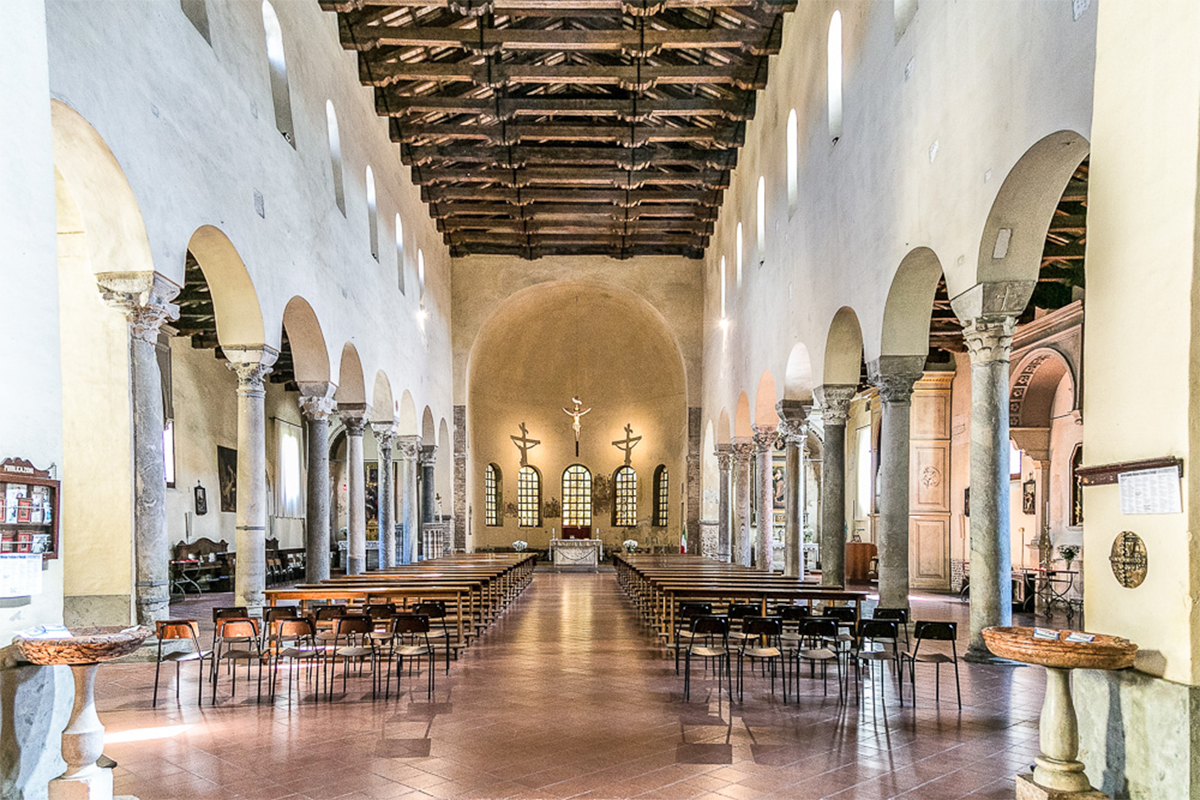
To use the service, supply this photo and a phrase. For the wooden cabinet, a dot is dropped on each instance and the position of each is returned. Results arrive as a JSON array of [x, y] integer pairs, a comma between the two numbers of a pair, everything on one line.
[[858, 561]]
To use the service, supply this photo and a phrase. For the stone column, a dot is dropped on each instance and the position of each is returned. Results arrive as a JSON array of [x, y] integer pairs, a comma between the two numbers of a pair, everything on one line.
[[793, 427], [764, 447], [694, 465], [989, 343], [315, 409], [407, 448], [385, 434], [426, 460], [724, 465], [743, 449], [835, 410], [252, 365], [354, 417], [894, 377], [145, 300], [460, 479]]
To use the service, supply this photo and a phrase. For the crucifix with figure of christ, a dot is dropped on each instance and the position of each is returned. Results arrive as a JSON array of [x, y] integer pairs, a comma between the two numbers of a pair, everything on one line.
[[524, 444], [575, 414], [628, 443]]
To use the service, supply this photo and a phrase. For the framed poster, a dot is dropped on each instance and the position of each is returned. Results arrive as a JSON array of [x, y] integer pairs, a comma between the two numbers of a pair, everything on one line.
[[1029, 497], [779, 483], [227, 477]]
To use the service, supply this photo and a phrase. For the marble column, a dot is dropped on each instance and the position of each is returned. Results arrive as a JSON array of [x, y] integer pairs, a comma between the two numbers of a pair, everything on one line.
[[793, 427], [894, 377], [692, 493], [460, 504], [989, 343], [724, 466], [835, 410], [407, 448], [385, 434], [743, 449], [354, 417], [252, 365], [764, 449], [426, 460], [316, 408], [145, 300]]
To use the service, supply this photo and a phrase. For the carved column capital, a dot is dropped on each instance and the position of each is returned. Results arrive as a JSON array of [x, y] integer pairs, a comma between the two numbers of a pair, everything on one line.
[[385, 434], [835, 402], [743, 449], [989, 339], [724, 453], [765, 437], [317, 407], [407, 447], [427, 456], [143, 297], [895, 376], [354, 417], [250, 375], [793, 432]]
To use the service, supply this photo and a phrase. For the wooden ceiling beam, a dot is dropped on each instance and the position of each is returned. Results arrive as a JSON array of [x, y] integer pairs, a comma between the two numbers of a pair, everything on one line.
[[389, 104], [519, 156], [568, 177], [727, 135], [686, 211], [580, 224], [597, 237], [645, 198], [555, 7], [380, 73]]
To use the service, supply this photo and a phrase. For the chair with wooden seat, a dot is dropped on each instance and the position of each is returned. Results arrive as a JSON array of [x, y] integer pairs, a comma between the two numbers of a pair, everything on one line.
[[238, 640], [187, 630], [410, 641], [295, 641], [226, 612], [878, 643], [897, 615], [763, 646], [929, 631], [351, 642], [819, 645], [709, 641], [683, 625], [737, 614], [436, 611]]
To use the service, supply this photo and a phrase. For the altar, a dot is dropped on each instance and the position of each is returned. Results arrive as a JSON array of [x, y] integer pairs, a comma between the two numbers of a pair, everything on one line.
[[576, 552]]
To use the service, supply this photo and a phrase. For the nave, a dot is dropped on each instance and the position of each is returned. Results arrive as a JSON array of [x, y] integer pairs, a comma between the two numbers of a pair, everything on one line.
[[567, 695]]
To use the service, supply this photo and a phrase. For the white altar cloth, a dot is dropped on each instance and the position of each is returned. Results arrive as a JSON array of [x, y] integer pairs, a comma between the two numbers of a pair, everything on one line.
[[577, 552]]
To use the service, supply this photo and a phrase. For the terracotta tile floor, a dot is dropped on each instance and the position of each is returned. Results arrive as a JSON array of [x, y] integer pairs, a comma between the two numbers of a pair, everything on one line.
[[566, 696]]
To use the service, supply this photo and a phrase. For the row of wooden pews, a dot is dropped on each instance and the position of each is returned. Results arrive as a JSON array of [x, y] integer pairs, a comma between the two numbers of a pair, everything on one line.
[[476, 588], [657, 584]]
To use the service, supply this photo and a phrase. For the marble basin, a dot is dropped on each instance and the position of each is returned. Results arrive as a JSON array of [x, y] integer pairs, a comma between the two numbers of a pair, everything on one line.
[[84, 646], [1018, 644]]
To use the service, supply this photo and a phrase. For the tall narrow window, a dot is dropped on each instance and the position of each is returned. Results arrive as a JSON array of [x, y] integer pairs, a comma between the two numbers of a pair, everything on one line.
[[662, 497], [722, 287], [197, 13], [400, 253], [577, 496], [335, 157], [625, 498], [169, 451], [421, 275], [738, 255], [762, 217], [862, 468], [289, 501], [372, 215], [834, 74], [793, 159], [492, 502], [279, 80], [529, 497]]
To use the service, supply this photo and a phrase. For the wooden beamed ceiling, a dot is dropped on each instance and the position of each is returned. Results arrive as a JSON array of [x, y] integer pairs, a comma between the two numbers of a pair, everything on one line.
[[567, 127]]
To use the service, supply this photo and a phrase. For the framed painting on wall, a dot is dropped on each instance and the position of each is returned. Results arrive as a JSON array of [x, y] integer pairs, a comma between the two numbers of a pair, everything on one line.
[[1029, 497], [227, 477]]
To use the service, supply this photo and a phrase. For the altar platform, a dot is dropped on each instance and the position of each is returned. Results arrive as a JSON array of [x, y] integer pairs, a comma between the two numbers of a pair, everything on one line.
[[576, 552]]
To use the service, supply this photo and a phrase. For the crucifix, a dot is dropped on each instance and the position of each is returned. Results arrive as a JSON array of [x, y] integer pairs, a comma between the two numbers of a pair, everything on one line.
[[628, 443], [524, 444], [575, 415]]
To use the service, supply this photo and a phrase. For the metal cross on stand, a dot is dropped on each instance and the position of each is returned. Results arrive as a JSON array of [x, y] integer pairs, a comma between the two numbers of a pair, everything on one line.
[[628, 443], [524, 444], [575, 415]]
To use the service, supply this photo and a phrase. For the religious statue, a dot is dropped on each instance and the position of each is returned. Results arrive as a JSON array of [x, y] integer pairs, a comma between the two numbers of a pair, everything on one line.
[[575, 413], [525, 444], [628, 443]]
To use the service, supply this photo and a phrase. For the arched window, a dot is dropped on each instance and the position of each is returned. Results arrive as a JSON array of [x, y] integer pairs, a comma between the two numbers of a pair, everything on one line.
[[197, 12], [400, 253], [529, 498], [335, 157], [279, 81], [902, 13], [740, 244], [492, 496], [762, 216], [577, 496], [625, 498], [662, 497], [834, 75], [372, 215], [722, 287], [793, 159]]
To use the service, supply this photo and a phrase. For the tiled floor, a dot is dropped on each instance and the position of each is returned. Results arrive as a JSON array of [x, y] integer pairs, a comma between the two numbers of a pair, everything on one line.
[[566, 696]]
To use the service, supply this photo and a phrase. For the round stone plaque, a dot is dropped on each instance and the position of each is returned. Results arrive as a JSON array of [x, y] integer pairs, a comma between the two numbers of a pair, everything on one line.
[[1128, 559]]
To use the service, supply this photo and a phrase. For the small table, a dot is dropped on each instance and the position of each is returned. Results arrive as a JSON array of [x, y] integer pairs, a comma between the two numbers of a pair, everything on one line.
[[577, 552]]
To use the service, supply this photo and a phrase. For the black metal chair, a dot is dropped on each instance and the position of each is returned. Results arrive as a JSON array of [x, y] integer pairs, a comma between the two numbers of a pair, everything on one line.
[[764, 646], [707, 630], [410, 641], [180, 630], [351, 642], [295, 640], [436, 611], [683, 625], [226, 612], [878, 643], [819, 645], [897, 615], [927, 631], [238, 639]]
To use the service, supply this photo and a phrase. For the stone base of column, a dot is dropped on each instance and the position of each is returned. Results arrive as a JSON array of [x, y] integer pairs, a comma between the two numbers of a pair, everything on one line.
[[1028, 790], [355, 565], [981, 655], [96, 785]]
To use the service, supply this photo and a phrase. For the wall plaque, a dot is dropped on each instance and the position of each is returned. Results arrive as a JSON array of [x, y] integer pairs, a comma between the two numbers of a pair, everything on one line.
[[1128, 559]]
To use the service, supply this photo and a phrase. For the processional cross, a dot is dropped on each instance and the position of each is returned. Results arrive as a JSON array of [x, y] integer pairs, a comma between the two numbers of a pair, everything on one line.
[[524, 444], [628, 443], [575, 415]]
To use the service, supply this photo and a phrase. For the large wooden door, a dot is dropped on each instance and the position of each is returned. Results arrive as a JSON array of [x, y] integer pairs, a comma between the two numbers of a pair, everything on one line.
[[929, 483]]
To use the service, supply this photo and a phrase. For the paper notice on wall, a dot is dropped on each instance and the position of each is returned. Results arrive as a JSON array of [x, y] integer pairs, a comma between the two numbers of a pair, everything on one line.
[[1151, 491], [20, 574]]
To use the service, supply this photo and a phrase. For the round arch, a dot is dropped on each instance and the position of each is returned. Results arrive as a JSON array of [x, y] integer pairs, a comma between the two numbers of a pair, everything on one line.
[[408, 415], [843, 349], [742, 423], [724, 428], [351, 388], [310, 354], [383, 407], [765, 414], [1033, 384], [235, 301], [798, 375], [909, 306]]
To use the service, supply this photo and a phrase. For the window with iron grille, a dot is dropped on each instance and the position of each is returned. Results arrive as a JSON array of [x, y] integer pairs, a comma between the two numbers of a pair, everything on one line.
[[491, 499], [661, 496], [529, 498], [577, 496], [625, 505]]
